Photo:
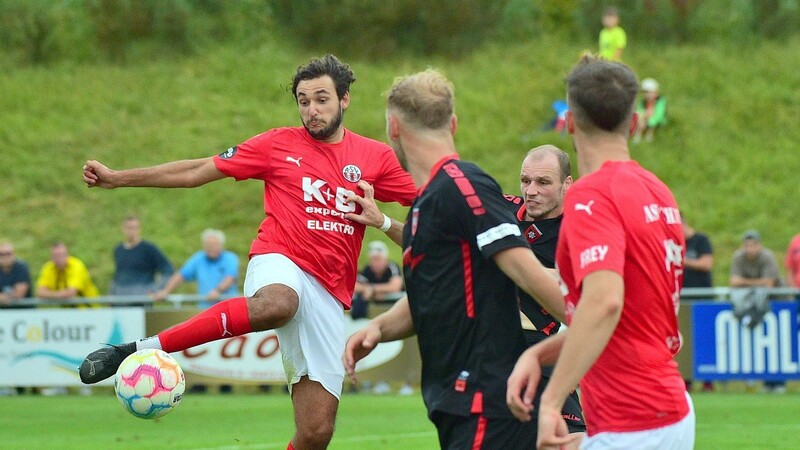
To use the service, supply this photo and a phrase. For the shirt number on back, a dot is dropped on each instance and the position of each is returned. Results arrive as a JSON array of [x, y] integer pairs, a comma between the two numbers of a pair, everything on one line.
[[673, 262]]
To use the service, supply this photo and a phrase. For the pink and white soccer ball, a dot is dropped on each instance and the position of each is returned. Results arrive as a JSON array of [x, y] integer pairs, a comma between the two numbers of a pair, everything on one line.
[[149, 383]]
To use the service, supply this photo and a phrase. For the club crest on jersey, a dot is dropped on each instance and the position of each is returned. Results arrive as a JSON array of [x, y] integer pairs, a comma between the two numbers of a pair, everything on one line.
[[228, 154], [414, 221], [533, 233], [351, 173]]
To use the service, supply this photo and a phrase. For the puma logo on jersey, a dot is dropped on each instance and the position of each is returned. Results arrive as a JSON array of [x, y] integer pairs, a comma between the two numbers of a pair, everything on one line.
[[296, 161], [585, 207]]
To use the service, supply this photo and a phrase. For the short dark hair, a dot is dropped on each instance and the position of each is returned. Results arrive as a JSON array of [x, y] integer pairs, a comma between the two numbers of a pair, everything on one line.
[[563, 159], [601, 94], [340, 73]]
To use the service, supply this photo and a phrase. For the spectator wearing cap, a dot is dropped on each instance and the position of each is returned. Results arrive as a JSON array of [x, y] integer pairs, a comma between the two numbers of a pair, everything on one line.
[[652, 111], [379, 280], [753, 265]]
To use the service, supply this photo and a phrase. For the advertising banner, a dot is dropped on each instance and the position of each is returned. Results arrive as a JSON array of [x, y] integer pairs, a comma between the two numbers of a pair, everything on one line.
[[45, 347], [726, 349], [256, 357]]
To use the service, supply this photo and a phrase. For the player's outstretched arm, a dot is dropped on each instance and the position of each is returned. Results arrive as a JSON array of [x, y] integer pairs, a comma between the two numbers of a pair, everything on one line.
[[185, 173], [372, 216], [521, 265], [524, 379], [394, 324]]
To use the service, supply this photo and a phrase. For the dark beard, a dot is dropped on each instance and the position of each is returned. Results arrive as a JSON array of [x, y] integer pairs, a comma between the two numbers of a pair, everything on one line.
[[328, 131]]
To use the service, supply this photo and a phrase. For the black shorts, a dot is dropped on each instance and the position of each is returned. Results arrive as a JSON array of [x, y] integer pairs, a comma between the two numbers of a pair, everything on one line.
[[479, 432]]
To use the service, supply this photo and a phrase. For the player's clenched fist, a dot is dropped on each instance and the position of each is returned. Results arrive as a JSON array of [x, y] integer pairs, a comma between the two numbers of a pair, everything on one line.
[[97, 175]]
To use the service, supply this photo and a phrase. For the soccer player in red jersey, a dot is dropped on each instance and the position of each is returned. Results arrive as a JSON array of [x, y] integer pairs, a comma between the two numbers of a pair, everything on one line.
[[303, 263], [462, 247], [620, 258]]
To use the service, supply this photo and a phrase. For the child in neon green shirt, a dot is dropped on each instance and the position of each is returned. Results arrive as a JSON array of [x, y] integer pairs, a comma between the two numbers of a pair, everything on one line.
[[612, 37]]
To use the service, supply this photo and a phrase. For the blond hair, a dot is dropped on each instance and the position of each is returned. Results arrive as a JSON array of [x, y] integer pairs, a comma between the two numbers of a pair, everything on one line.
[[425, 99]]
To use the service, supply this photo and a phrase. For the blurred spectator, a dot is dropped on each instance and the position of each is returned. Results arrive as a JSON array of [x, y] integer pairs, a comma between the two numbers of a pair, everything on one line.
[[138, 263], [612, 40], [699, 261], [652, 111], [378, 280], [697, 268], [64, 276], [15, 278], [15, 283], [754, 266], [793, 263], [215, 270]]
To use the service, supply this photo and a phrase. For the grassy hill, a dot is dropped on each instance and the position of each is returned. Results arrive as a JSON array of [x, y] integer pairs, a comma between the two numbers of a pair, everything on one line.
[[727, 153]]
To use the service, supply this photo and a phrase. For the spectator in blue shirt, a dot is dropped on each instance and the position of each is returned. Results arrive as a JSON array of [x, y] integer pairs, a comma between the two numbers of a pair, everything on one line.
[[15, 278], [214, 269], [141, 268]]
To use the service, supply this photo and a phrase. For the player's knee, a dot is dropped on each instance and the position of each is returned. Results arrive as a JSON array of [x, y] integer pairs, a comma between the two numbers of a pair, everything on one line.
[[315, 436], [272, 306]]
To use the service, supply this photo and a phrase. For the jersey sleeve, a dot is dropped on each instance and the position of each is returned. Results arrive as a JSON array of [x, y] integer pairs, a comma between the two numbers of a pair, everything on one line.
[[250, 159], [771, 268], [394, 184], [705, 247], [482, 215], [46, 276], [232, 265], [189, 269], [596, 239]]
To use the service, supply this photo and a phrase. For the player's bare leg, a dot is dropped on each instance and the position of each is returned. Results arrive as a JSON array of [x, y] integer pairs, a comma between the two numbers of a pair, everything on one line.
[[314, 415], [272, 306]]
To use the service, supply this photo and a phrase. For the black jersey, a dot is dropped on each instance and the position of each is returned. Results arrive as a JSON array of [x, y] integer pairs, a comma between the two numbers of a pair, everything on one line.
[[542, 235], [464, 308]]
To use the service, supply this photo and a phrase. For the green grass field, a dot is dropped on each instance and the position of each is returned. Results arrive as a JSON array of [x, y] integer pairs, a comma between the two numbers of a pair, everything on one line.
[[725, 420]]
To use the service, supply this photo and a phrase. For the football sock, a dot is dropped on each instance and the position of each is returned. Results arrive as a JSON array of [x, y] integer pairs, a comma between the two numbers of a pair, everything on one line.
[[225, 319], [149, 342]]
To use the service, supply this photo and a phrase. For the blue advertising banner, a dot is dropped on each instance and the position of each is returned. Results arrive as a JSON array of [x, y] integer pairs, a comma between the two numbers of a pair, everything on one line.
[[724, 349]]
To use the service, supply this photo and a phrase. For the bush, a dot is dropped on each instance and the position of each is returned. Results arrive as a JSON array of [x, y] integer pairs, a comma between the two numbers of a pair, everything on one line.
[[377, 28]]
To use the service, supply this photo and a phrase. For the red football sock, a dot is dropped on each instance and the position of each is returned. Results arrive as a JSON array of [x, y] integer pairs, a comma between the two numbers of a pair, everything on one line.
[[225, 319]]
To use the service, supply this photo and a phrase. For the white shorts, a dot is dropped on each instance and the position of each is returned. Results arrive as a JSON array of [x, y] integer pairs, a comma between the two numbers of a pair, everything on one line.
[[312, 342], [678, 436]]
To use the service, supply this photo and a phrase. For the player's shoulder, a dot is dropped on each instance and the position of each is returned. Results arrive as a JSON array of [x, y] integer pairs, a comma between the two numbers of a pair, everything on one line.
[[366, 143], [457, 169]]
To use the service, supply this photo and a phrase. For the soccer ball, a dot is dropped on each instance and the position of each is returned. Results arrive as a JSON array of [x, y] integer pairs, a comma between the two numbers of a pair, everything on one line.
[[149, 383]]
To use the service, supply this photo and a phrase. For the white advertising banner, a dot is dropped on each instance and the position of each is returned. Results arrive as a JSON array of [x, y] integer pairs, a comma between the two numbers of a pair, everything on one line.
[[45, 347], [256, 356]]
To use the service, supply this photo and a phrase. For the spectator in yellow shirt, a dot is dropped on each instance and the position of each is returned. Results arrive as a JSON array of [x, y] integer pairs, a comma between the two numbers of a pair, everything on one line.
[[64, 276]]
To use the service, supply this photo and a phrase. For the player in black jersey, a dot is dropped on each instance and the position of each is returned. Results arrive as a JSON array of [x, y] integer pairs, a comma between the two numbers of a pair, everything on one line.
[[462, 249], [544, 179]]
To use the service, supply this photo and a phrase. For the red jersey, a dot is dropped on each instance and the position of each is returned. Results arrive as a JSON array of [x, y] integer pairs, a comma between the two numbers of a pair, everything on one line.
[[793, 260], [305, 185], [624, 219]]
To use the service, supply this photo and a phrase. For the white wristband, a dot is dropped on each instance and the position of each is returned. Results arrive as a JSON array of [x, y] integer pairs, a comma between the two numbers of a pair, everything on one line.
[[387, 223]]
